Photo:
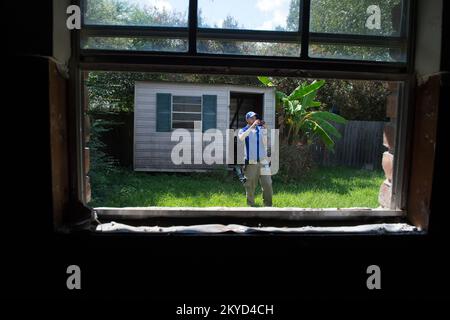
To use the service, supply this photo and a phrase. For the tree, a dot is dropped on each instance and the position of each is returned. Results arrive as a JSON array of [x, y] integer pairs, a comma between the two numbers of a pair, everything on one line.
[[121, 12], [302, 120], [293, 16], [349, 17], [114, 91], [356, 99]]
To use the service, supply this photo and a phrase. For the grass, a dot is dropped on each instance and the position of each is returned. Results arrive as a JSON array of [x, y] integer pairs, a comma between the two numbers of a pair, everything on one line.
[[321, 188]]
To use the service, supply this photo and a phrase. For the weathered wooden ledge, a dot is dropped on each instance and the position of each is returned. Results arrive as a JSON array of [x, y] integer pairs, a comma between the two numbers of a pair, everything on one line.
[[138, 213]]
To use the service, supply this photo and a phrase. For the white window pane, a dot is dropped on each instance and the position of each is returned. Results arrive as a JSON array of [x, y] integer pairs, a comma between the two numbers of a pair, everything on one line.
[[334, 51], [249, 14], [363, 17], [249, 48], [172, 13], [139, 44]]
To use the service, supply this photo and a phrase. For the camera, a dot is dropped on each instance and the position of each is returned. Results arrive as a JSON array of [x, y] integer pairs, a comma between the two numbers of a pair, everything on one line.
[[239, 171], [261, 121]]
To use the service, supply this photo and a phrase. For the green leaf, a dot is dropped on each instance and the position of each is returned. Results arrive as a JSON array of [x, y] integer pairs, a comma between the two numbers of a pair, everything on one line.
[[290, 107], [308, 99], [329, 143], [315, 104], [302, 90], [329, 128], [280, 95], [329, 116], [266, 81], [298, 108]]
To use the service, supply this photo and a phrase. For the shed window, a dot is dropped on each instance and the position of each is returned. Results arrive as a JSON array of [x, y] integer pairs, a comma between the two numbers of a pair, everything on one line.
[[186, 111]]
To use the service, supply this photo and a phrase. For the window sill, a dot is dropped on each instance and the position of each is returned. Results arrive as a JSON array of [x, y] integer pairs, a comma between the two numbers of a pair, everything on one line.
[[383, 228], [259, 217], [291, 213]]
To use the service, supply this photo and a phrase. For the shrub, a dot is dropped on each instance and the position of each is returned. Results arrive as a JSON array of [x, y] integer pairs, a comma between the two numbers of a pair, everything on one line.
[[100, 160], [296, 161], [101, 163]]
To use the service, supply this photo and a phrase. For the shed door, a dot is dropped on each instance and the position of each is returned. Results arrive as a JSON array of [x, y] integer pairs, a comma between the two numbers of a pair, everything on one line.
[[240, 104]]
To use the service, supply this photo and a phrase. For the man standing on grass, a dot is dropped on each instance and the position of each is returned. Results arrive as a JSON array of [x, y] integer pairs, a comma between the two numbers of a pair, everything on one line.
[[256, 162]]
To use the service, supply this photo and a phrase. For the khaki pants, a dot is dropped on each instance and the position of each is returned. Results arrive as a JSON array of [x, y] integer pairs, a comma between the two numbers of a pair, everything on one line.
[[253, 174]]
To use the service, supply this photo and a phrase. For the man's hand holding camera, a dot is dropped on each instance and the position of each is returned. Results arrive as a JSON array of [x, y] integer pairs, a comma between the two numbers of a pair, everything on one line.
[[258, 122]]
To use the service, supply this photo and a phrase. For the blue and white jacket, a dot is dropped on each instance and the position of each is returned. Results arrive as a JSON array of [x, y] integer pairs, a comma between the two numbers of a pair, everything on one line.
[[255, 143]]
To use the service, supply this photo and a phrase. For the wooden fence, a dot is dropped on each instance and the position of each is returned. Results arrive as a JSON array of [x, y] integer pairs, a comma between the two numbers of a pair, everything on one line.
[[361, 146]]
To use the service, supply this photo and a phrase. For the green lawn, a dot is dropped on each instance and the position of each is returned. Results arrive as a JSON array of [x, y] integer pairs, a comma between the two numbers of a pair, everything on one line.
[[322, 188]]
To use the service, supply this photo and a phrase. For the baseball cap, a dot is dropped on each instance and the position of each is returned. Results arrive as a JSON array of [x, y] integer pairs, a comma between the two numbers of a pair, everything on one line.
[[249, 115]]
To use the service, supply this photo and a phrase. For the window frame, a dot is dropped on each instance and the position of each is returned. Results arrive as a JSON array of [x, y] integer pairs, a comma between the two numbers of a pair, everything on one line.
[[192, 32], [297, 216], [191, 62]]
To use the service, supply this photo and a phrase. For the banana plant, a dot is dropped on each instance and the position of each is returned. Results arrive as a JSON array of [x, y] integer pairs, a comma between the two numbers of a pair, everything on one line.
[[301, 116]]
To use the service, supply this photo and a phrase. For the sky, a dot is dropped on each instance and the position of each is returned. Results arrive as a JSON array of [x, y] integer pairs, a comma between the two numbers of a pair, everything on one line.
[[252, 14]]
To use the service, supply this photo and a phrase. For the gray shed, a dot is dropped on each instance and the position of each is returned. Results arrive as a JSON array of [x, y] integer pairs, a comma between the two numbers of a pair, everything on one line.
[[161, 107]]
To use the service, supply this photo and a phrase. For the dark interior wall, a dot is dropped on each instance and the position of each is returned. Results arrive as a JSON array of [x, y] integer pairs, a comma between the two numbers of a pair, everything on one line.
[[428, 44], [427, 98], [28, 39], [29, 27], [27, 175], [445, 39], [440, 215], [30, 168]]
